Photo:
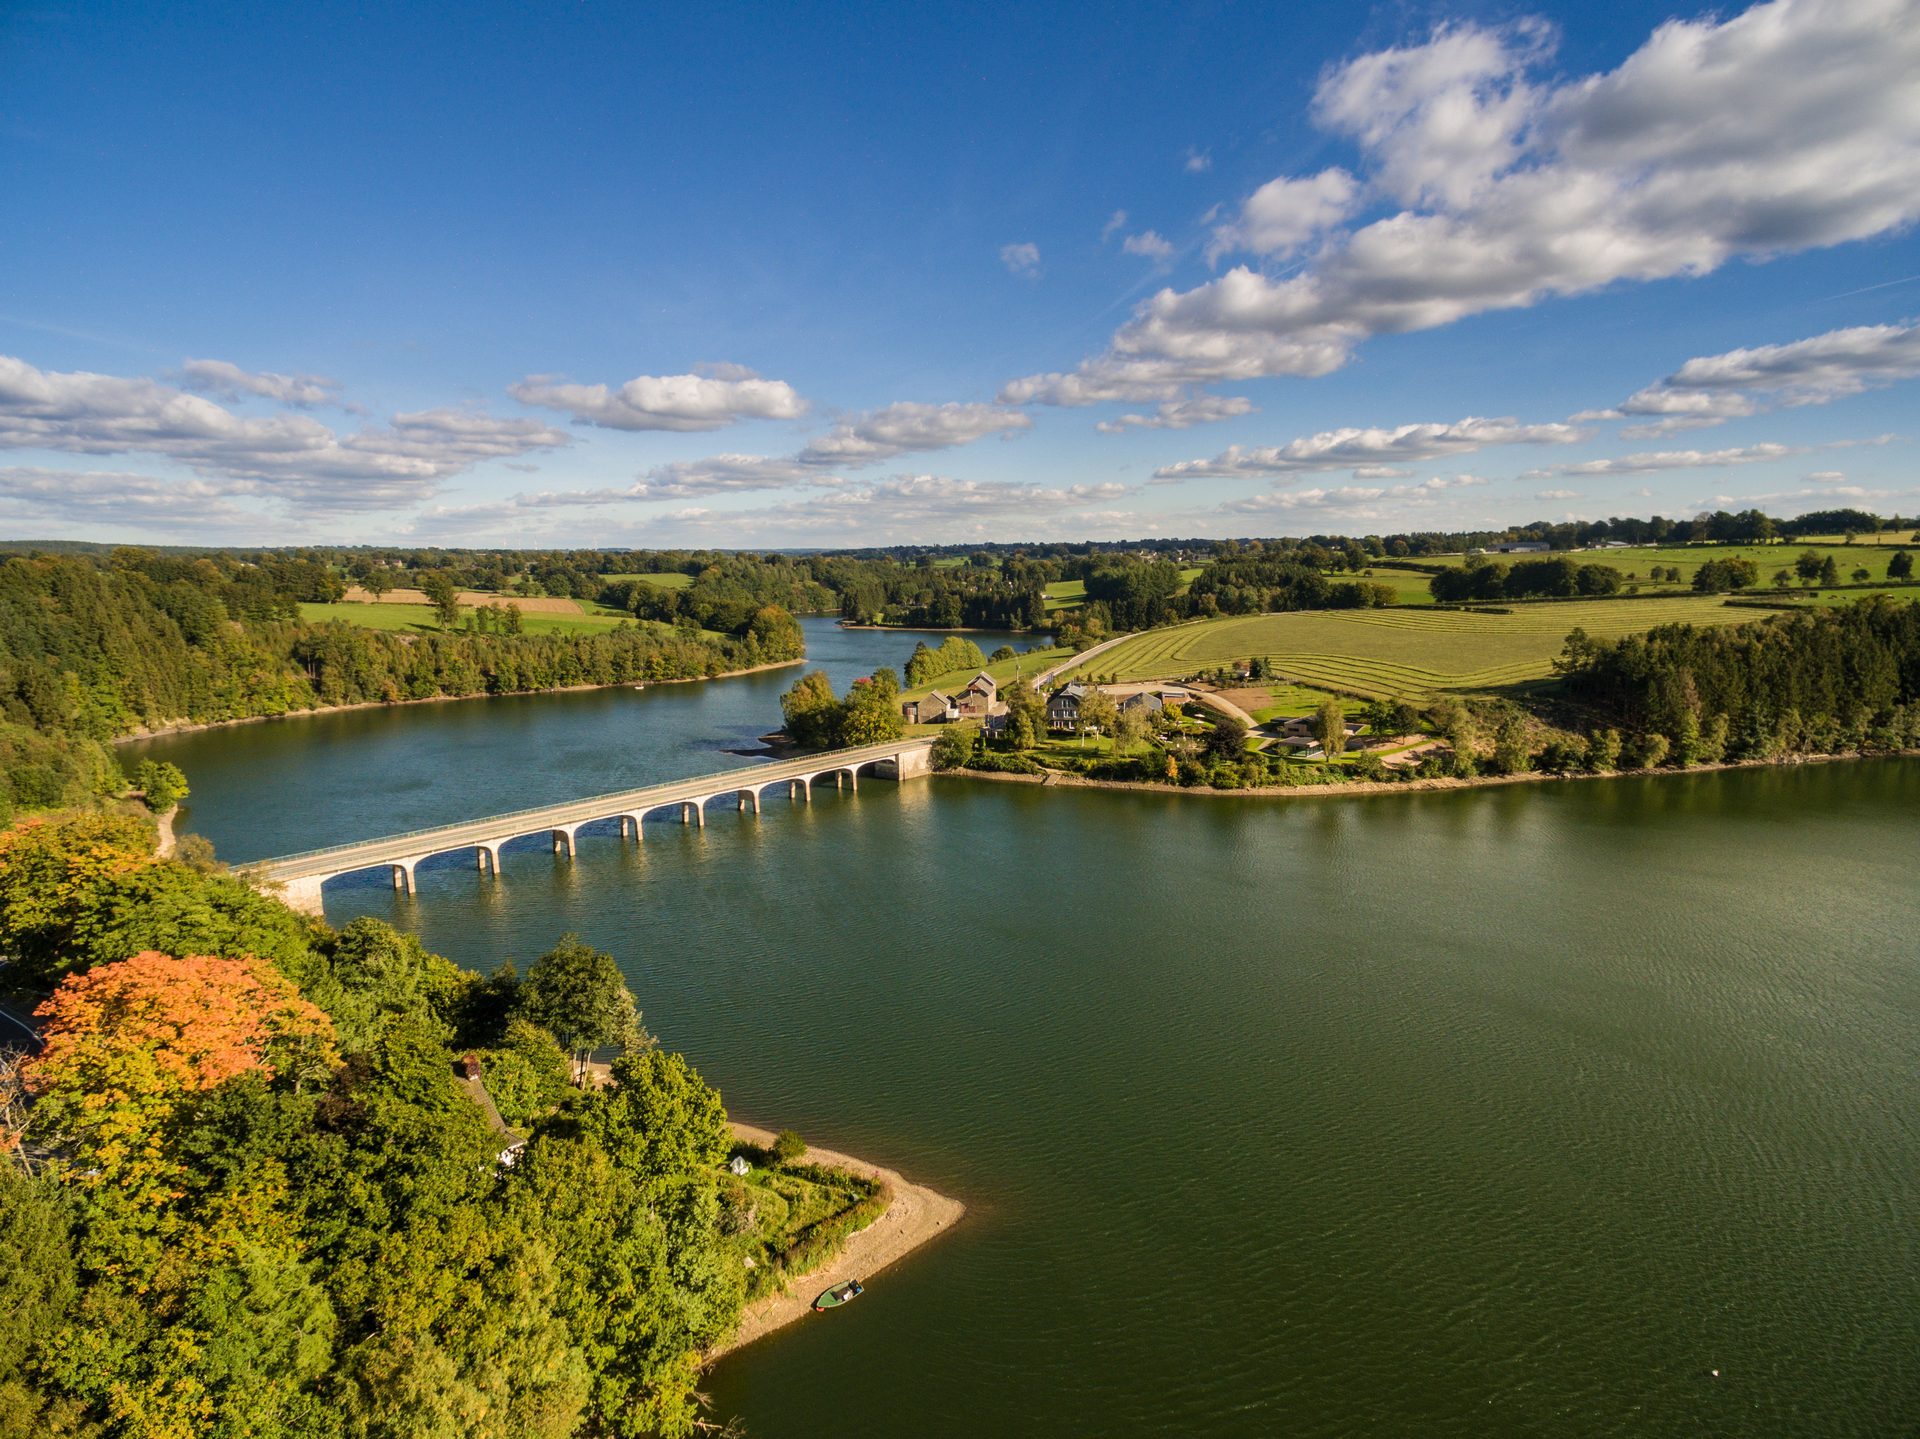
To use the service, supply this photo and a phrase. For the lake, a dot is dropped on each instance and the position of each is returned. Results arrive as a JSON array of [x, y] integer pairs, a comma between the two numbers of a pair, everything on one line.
[[1504, 1111]]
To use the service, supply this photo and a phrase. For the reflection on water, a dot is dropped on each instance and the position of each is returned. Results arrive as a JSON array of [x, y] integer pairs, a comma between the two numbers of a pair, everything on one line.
[[1511, 1111]]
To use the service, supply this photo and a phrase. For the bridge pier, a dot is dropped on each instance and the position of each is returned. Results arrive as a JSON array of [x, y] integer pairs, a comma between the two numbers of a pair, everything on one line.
[[694, 811], [745, 797], [801, 790], [563, 842], [634, 820], [486, 856], [403, 875]]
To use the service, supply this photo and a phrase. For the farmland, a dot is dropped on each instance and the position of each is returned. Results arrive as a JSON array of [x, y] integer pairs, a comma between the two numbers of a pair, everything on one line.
[[1402, 653], [1635, 562], [1004, 672], [662, 580], [386, 615]]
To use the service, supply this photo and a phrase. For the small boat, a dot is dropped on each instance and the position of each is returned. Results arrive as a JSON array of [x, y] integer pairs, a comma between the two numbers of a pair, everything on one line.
[[839, 1294]]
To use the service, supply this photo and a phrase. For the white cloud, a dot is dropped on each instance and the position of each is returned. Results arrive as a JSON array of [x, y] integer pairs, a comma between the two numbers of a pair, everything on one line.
[[1788, 127], [1557, 495], [1656, 461], [1356, 498], [667, 402], [1022, 259], [723, 474], [1283, 215], [295, 458], [1197, 162], [1826, 477], [1115, 222], [228, 381], [907, 427], [1351, 448], [1182, 414], [127, 502], [1151, 245], [916, 507]]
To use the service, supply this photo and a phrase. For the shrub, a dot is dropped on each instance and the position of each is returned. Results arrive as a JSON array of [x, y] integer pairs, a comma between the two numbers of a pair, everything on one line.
[[788, 1146], [164, 785], [952, 748]]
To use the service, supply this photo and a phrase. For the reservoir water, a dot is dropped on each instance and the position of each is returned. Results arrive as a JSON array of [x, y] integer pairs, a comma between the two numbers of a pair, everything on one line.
[[1510, 1111]]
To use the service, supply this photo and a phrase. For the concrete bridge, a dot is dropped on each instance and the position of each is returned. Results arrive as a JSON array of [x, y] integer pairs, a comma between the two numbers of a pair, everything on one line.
[[301, 876]]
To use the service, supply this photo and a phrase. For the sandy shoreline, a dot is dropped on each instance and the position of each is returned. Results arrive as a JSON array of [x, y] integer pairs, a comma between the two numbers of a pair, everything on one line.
[[195, 726], [916, 1215]]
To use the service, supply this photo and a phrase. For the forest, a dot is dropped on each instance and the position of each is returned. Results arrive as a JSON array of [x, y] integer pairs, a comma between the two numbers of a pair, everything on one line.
[[270, 1180]]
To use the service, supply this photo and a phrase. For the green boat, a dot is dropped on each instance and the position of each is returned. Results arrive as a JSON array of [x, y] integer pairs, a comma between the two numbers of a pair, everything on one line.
[[838, 1295]]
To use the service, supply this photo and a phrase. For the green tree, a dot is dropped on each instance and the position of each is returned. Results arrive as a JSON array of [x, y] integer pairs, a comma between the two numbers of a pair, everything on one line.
[[1330, 727], [377, 581], [1026, 714], [813, 715], [162, 783], [444, 596], [578, 994], [1097, 713], [1900, 566], [1808, 565], [1511, 753], [1603, 751], [1829, 572], [788, 1146], [872, 711], [39, 1285], [952, 748]]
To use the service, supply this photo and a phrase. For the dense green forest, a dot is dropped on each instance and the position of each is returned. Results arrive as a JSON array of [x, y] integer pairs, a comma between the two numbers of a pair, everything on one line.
[[92, 649], [249, 1189], [1814, 681]]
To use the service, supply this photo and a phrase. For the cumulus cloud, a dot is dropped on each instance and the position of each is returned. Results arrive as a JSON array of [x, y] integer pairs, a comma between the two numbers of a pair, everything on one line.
[[1556, 494], [292, 456], [728, 393], [1785, 128], [917, 506], [905, 428], [129, 502], [725, 474], [1713, 388], [1283, 215], [1022, 259], [1115, 222], [1352, 449], [1150, 245], [1653, 462], [1182, 414], [227, 381], [1357, 498]]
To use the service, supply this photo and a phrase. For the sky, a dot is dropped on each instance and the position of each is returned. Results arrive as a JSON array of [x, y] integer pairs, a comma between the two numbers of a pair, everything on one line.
[[811, 275]]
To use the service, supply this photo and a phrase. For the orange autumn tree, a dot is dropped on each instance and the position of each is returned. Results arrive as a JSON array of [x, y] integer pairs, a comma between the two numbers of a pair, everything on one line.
[[127, 1044]]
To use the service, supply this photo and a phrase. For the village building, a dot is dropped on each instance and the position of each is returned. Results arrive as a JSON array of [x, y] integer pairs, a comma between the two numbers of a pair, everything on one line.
[[1063, 707], [935, 708], [978, 699]]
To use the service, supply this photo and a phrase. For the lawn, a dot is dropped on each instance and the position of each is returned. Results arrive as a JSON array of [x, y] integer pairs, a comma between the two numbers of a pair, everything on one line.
[[1003, 671], [1065, 595], [388, 616], [1409, 585], [665, 580], [1402, 653]]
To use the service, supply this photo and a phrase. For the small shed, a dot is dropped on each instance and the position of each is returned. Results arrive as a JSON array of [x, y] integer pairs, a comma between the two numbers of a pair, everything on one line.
[[738, 1166]]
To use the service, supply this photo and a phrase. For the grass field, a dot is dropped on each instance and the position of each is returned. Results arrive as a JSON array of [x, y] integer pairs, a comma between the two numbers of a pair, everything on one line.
[[1402, 653], [1003, 671], [667, 580], [388, 616], [1636, 562]]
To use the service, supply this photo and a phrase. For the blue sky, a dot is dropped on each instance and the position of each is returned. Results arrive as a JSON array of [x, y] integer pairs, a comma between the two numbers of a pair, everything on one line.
[[814, 275]]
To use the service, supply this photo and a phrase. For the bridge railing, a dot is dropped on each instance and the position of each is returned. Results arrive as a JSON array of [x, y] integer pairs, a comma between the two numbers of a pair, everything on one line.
[[824, 760]]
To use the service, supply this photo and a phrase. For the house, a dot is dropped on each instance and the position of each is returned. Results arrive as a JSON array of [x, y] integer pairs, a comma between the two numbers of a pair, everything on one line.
[[738, 1166], [1063, 707], [977, 700], [1145, 702], [1519, 547], [935, 708]]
